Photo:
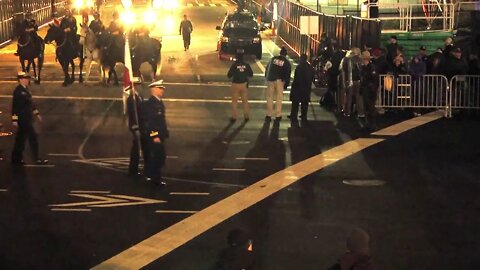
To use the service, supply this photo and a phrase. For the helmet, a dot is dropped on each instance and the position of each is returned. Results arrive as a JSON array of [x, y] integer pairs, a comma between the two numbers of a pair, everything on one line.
[[28, 14]]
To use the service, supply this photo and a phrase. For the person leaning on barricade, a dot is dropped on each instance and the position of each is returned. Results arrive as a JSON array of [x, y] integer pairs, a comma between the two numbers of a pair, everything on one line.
[[351, 74], [455, 64], [436, 62], [399, 63]]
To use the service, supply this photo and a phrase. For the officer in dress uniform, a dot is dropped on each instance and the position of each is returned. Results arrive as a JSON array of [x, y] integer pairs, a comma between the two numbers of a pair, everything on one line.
[[69, 26], [30, 26], [277, 74], [23, 117], [156, 129], [136, 127]]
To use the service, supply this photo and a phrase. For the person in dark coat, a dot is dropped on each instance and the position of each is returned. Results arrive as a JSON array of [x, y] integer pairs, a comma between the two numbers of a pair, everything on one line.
[[69, 25], [136, 127], [156, 129], [368, 90], [448, 47], [417, 67], [392, 50], [399, 63], [240, 72], [239, 254], [277, 75], [455, 64], [24, 113], [332, 76], [186, 29], [301, 88], [422, 52], [473, 65], [29, 26], [96, 24], [436, 62]]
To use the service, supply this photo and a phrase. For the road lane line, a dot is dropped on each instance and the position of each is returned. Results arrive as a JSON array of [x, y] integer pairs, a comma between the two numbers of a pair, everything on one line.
[[228, 170], [172, 179], [90, 191], [62, 155], [70, 210], [180, 233], [190, 193], [247, 158], [38, 166], [175, 212], [172, 157], [3, 190], [260, 66]]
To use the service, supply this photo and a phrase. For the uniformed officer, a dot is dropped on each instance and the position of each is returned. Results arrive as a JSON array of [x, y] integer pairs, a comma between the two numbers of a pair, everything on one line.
[[96, 24], [23, 116], [186, 29], [116, 29], [368, 90], [277, 74], [30, 26], [239, 72], [156, 129], [136, 127], [69, 26]]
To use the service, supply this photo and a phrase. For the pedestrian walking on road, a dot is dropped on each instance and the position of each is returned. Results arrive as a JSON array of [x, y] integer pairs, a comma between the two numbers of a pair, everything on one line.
[[23, 118], [277, 74], [351, 74], [157, 132], [239, 72], [136, 127], [301, 88], [186, 29]]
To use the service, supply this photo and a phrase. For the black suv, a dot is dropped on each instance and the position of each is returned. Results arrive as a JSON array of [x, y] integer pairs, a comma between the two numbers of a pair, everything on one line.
[[240, 33]]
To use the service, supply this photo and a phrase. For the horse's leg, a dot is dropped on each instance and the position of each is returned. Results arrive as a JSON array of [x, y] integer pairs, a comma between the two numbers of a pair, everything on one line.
[[28, 66], [88, 68], [34, 67], [66, 81], [82, 61], [40, 63], [115, 76], [72, 78], [22, 63]]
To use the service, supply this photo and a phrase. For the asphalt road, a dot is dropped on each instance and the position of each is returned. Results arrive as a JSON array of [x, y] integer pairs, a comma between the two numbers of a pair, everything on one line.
[[82, 209]]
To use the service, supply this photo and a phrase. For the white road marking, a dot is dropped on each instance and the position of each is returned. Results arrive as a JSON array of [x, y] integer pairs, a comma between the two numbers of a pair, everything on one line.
[[175, 212], [3, 190], [62, 155], [172, 157], [177, 235], [236, 142], [246, 158], [260, 66], [189, 193], [228, 170], [38, 166], [90, 191], [203, 182], [70, 210]]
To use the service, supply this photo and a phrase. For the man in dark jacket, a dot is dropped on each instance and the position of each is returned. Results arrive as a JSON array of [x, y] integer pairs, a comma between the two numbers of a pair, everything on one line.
[[136, 127], [156, 129], [392, 48], [69, 26], [29, 26], [368, 90], [277, 74], [96, 24], [448, 47], [455, 64], [239, 72], [332, 76], [301, 88], [436, 62], [23, 117], [186, 29]]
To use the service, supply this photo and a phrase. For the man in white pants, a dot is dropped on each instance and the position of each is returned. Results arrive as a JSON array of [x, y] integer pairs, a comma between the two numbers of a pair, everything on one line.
[[277, 75]]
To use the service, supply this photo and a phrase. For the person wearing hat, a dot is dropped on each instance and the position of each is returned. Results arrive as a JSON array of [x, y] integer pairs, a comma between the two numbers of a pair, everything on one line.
[[301, 88], [392, 49], [368, 90], [23, 117], [455, 64], [351, 82], [116, 29], [436, 62], [448, 47], [69, 25], [153, 111], [239, 72], [29, 26], [136, 127], [96, 24], [277, 74], [422, 53]]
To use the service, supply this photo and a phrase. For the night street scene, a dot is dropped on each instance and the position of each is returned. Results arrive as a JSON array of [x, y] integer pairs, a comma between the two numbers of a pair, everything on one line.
[[239, 134]]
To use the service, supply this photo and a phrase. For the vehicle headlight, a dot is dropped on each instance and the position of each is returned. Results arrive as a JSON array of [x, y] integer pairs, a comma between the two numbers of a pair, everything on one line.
[[128, 17], [149, 17], [225, 39], [256, 40]]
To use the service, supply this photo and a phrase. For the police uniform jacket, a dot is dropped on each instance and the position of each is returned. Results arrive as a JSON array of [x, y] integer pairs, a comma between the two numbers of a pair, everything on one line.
[[153, 111], [69, 22], [133, 124], [278, 69], [240, 72], [96, 26], [23, 109], [29, 23]]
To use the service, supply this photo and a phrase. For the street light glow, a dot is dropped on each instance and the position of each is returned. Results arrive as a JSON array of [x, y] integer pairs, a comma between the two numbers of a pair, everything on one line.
[[127, 4], [128, 17], [78, 4], [149, 17]]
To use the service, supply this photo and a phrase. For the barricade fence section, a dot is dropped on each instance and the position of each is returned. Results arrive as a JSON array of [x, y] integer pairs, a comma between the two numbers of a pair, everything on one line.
[[429, 92], [12, 12], [465, 92], [347, 30]]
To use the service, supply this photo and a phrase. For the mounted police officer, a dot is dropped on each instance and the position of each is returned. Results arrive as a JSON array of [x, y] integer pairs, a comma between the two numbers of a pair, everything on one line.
[[69, 26], [277, 74], [96, 25], [23, 117], [156, 129], [30, 27], [116, 29], [137, 128]]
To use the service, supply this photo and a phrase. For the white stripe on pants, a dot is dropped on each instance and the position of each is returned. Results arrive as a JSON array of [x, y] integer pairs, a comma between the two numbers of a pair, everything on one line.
[[275, 89]]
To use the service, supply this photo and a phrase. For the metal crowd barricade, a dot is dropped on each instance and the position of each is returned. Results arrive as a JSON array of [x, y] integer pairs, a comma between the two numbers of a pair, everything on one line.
[[403, 91], [465, 92]]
